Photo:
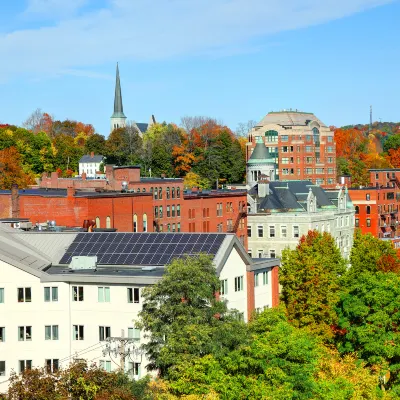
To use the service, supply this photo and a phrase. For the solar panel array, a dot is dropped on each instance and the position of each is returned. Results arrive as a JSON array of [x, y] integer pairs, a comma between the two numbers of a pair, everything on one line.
[[141, 248]]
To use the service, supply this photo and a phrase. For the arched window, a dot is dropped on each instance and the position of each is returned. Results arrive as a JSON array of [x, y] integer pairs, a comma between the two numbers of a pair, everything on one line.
[[315, 132], [173, 192], [97, 222], [135, 223], [144, 222], [160, 192], [357, 209], [271, 136], [155, 194], [178, 192], [167, 192], [368, 209], [108, 222]]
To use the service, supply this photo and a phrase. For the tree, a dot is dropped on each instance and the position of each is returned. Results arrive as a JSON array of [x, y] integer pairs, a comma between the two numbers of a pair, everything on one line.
[[67, 152], [370, 254], [392, 142], [394, 157], [181, 314], [192, 180], [39, 121], [243, 129], [350, 143], [369, 320], [11, 171], [310, 279]]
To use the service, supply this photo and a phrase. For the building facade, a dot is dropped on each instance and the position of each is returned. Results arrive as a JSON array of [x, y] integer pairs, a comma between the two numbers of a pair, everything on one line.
[[65, 296], [89, 165], [282, 212], [302, 145]]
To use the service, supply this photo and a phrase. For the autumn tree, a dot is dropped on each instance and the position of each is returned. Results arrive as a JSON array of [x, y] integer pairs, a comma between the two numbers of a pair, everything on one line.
[[394, 157], [11, 171], [310, 279], [193, 180], [95, 143], [39, 121], [67, 152]]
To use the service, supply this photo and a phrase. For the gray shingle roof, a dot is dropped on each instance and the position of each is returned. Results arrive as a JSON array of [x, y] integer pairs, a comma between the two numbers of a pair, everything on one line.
[[289, 118], [97, 158]]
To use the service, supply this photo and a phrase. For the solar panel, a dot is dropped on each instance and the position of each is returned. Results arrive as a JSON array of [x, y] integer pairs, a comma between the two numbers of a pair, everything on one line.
[[120, 248]]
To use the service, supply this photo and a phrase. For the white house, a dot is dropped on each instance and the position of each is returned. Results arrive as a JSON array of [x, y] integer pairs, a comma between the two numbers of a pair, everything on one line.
[[69, 295], [90, 164]]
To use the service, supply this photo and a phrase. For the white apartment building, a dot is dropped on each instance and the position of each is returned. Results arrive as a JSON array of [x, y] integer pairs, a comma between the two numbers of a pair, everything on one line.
[[281, 212], [57, 303], [90, 164]]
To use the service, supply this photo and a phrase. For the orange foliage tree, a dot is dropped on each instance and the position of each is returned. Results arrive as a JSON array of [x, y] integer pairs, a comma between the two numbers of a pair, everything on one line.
[[11, 171], [394, 157], [350, 143]]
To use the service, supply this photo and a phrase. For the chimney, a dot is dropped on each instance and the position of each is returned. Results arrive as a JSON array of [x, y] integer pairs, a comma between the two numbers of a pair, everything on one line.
[[263, 187], [14, 201], [70, 192], [92, 154], [163, 176], [83, 176]]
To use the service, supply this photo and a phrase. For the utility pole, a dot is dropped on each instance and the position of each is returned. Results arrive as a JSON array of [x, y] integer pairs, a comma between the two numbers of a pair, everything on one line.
[[370, 118], [119, 346]]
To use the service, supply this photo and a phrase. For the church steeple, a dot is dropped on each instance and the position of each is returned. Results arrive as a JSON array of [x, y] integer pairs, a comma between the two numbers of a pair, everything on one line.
[[118, 118]]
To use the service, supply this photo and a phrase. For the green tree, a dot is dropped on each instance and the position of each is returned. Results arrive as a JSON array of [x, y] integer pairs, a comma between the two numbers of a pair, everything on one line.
[[392, 142], [181, 314], [369, 320], [370, 254], [67, 152], [95, 143], [310, 279]]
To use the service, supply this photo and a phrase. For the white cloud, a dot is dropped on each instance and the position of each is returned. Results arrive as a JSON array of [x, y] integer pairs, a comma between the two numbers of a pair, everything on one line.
[[158, 29]]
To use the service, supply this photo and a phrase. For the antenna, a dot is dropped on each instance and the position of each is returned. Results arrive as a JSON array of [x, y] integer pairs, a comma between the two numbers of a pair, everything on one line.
[[370, 118]]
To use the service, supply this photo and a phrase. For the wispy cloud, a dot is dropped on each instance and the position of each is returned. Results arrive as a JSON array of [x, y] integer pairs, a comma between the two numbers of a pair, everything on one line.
[[157, 29]]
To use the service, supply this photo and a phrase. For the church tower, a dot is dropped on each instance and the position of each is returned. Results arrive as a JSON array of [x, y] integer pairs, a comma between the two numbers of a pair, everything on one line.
[[118, 119]]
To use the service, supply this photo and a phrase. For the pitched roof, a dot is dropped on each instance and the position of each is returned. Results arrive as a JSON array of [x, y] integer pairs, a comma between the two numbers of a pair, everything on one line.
[[87, 158], [289, 118], [118, 107], [142, 126], [261, 155], [291, 196]]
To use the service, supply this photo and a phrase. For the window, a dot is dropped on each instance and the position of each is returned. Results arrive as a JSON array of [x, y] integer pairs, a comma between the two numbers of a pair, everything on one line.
[[271, 231], [78, 332], [51, 293], [283, 231], [24, 295], [368, 209], [329, 139], [134, 369], [224, 287], [106, 365], [51, 332], [330, 160], [2, 334], [134, 333], [271, 136], [144, 222], [178, 227], [256, 278], [173, 192], [135, 228], [173, 210], [108, 222], [24, 333], [308, 149], [178, 192], [25, 364], [103, 294], [296, 232], [329, 149], [97, 222], [160, 193], [2, 368], [309, 160], [367, 197], [77, 293], [238, 283], [133, 295], [160, 211], [167, 192], [284, 138], [260, 253], [52, 365], [265, 278], [248, 231], [156, 212], [368, 222], [272, 254], [104, 333], [260, 231], [1, 295], [319, 170], [219, 210], [330, 171], [169, 213], [285, 160], [155, 194], [173, 227], [178, 210]]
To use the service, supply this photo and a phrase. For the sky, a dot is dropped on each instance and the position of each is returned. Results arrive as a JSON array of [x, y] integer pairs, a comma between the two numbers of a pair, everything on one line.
[[233, 60]]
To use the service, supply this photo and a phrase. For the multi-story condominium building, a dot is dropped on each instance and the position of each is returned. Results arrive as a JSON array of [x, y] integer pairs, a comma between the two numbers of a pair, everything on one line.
[[377, 205], [281, 212], [68, 295], [302, 145]]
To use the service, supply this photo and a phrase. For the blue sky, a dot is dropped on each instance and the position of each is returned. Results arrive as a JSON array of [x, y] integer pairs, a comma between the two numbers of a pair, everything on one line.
[[234, 60]]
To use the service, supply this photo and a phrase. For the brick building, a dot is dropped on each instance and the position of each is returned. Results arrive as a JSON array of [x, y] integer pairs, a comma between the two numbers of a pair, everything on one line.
[[303, 146], [127, 202], [377, 205]]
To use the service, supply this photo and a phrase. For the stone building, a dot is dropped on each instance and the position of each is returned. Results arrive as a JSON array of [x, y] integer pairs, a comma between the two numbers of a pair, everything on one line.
[[302, 145], [281, 212]]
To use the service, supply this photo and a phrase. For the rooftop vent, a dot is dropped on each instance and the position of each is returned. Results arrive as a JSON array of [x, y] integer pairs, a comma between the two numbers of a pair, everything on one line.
[[83, 262]]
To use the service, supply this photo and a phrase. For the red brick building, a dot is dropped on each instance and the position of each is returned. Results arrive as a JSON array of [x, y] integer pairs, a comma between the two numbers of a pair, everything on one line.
[[127, 202], [303, 146], [377, 205]]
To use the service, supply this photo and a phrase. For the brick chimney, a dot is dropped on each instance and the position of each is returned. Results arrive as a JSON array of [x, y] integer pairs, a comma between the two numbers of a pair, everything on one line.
[[92, 154], [14, 201], [70, 192], [83, 176]]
